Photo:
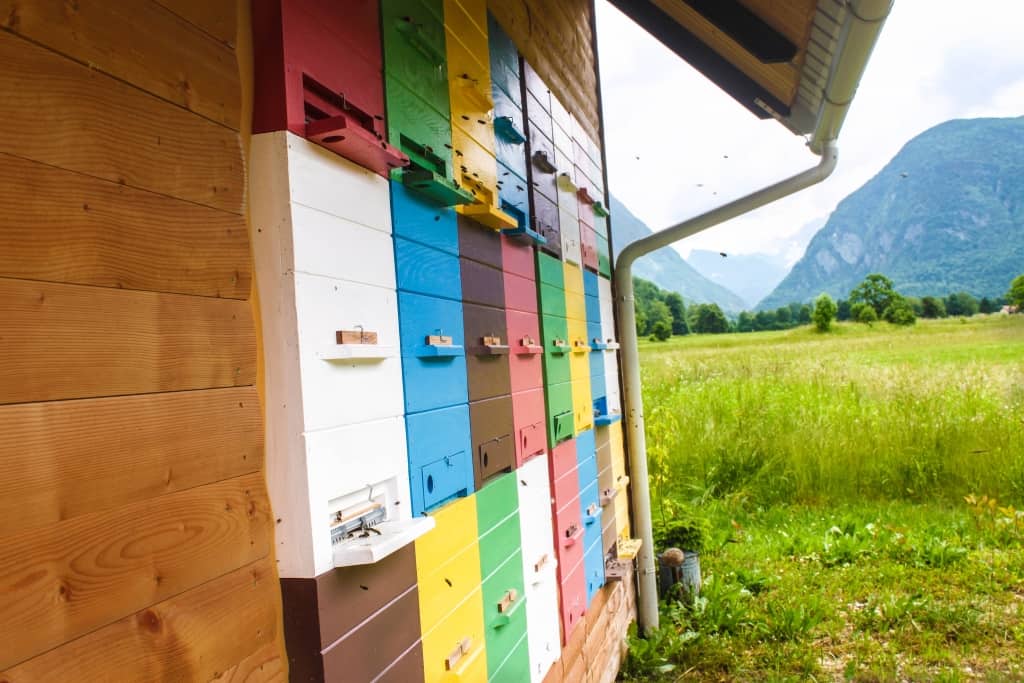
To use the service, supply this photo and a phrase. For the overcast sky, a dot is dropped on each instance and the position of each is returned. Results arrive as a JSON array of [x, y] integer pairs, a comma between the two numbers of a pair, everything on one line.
[[668, 129]]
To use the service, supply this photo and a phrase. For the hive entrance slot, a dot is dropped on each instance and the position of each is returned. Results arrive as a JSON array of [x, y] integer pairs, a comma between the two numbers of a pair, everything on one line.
[[423, 156], [366, 524], [427, 174], [320, 102], [357, 521], [565, 182], [506, 129], [543, 163], [344, 128]]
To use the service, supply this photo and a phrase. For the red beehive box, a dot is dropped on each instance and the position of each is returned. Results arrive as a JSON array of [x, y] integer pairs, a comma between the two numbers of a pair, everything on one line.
[[319, 75]]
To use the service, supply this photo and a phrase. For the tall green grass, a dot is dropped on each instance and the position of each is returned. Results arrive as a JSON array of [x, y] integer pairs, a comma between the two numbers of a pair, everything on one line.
[[880, 413]]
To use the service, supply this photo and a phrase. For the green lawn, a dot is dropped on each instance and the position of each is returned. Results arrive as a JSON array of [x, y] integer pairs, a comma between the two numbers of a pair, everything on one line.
[[832, 470]]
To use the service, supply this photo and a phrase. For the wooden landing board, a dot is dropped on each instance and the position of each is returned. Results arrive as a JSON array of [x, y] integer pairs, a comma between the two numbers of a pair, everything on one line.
[[149, 47], [70, 341], [68, 115], [68, 579], [223, 630], [63, 226], [63, 459]]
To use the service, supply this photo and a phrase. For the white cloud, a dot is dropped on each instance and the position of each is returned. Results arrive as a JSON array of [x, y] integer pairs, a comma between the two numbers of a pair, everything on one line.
[[668, 129]]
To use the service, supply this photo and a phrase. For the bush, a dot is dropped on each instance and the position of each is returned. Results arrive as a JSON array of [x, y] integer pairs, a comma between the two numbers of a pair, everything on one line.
[[933, 307], [1015, 295], [842, 310], [709, 319], [899, 312], [824, 312], [961, 303], [864, 313], [686, 532], [661, 331]]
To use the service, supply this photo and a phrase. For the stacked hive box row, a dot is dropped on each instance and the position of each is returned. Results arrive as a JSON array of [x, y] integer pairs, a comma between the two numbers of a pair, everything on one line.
[[445, 458]]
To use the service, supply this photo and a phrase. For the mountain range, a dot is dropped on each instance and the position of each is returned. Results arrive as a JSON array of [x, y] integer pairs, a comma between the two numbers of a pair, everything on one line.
[[666, 267], [945, 215], [751, 276]]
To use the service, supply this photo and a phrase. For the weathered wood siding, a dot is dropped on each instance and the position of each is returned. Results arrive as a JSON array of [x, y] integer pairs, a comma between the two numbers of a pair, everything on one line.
[[556, 39], [137, 532]]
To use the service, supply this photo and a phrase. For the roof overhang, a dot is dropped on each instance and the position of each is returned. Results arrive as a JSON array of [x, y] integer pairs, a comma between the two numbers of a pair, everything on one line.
[[798, 61]]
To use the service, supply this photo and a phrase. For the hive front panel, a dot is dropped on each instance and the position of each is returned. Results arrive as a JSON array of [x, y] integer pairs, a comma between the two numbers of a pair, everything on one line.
[[431, 226]]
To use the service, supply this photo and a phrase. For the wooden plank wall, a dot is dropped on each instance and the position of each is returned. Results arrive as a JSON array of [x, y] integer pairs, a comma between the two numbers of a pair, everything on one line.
[[134, 518], [556, 39], [597, 647]]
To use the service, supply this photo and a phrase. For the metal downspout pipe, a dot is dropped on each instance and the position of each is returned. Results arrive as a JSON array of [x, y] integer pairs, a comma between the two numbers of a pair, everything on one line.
[[647, 600], [863, 25]]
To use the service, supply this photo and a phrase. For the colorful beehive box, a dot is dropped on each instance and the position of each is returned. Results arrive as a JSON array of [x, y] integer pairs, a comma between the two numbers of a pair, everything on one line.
[[471, 353], [319, 68], [417, 101]]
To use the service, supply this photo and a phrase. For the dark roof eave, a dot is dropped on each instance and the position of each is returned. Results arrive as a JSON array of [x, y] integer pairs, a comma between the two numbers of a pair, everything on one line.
[[705, 59]]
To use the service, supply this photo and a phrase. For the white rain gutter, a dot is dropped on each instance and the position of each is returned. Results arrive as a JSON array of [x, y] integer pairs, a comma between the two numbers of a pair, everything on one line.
[[863, 25]]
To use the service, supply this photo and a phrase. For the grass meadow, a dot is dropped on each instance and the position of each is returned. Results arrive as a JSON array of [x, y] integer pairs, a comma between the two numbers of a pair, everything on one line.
[[859, 490]]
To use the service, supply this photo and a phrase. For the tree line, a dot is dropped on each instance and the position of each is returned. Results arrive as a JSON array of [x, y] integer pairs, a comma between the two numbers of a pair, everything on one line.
[[661, 314]]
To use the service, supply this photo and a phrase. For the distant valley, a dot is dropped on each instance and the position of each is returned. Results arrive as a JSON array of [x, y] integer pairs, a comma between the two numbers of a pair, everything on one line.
[[666, 267], [751, 276], [946, 214]]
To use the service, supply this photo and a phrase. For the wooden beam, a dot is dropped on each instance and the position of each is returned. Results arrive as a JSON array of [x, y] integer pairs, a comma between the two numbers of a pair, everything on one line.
[[63, 581], [62, 226], [714, 54], [226, 625], [139, 42], [67, 115], [63, 459], [753, 33], [70, 341], [779, 80]]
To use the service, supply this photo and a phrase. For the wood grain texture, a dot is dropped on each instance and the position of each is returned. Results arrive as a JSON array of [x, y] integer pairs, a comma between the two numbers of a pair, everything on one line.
[[68, 115], [216, 18], [780, 80], [67, 227], [791, 18], [70, 578], [69, 341], [223, 630], [63, 459], [139, 42], [266, 665]]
